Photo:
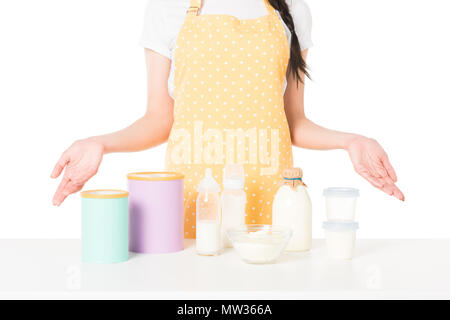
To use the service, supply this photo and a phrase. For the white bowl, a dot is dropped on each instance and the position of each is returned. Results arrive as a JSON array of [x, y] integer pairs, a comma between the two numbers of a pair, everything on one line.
[[258, 243]]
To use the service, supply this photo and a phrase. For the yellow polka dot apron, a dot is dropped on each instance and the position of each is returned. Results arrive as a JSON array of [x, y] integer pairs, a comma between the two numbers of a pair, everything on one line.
[[229, 78]]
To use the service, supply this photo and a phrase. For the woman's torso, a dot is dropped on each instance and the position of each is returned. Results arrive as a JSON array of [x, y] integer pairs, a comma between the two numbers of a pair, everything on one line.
[[167, 17], [229, 106]]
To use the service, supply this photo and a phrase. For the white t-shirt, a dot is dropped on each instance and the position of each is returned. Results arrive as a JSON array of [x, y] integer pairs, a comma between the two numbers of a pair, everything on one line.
[[164, 18]]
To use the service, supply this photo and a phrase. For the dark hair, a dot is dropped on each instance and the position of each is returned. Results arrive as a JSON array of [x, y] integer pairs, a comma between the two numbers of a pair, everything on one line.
[[296, 64]]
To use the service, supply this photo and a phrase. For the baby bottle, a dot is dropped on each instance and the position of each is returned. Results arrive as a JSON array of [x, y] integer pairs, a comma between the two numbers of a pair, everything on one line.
[[292, 208], [208, 216], [233, 199]]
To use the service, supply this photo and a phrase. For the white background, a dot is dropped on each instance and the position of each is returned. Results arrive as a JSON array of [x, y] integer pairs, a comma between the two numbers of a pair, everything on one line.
[[71, 69]]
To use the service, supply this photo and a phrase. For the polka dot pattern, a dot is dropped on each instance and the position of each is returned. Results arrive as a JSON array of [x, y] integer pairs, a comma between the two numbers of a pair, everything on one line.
[[229, 74]]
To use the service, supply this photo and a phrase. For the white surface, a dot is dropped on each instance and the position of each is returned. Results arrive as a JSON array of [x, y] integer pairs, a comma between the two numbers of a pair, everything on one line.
[[380, 269], [164, 18], [74, 68]]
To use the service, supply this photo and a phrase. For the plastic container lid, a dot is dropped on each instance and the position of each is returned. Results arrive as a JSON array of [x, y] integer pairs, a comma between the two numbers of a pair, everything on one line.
[[340, 226], [233, 176], [155, 176], [208, 184], [341, 192], [104, 194]]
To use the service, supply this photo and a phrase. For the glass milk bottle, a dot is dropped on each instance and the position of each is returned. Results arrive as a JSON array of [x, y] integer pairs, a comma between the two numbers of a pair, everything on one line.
[[233, 199], [292, 208], [208, 222]]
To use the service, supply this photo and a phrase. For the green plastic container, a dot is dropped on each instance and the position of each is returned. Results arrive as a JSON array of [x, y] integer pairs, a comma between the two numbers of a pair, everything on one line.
[[104, 229]]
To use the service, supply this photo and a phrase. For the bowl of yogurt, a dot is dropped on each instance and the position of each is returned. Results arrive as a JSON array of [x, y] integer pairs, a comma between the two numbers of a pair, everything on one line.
[[258, 243]]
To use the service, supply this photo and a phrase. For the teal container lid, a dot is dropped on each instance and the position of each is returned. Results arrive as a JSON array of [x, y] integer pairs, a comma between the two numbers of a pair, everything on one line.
[[104, 194]]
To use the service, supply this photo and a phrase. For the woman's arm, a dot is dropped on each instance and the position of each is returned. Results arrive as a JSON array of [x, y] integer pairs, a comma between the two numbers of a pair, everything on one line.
[[154, 127], [368, 157], [82, 159]]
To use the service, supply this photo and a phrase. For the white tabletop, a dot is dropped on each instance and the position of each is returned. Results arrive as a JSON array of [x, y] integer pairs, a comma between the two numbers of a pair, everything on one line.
[[381, 269]]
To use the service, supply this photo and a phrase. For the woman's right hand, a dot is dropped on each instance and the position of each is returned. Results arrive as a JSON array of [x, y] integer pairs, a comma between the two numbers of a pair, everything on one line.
[[81, 161]]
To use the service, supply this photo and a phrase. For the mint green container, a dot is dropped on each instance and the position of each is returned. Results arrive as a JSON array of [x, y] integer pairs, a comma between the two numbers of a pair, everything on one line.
[[104, 229]]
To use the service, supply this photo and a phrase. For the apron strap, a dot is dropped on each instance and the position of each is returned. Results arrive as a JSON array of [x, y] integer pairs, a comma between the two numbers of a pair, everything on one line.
[[270, 9], [194, 7]]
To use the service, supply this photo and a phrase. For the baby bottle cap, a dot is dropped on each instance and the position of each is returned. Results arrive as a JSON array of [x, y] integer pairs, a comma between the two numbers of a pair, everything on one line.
[[208, 184], [233, 176], [233, 184]]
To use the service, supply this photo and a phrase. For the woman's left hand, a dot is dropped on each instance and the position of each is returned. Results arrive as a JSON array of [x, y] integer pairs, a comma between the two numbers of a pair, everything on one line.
[[372, 163]]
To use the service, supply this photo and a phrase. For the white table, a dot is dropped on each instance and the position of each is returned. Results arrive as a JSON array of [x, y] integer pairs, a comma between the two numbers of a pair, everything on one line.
[[382, 269]]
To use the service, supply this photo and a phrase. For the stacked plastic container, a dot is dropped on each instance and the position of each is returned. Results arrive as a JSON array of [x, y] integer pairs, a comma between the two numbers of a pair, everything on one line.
[[340, 227]]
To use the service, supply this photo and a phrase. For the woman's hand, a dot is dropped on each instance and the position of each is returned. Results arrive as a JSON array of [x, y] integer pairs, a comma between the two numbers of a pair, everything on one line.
[[81, 161], [372, 163]]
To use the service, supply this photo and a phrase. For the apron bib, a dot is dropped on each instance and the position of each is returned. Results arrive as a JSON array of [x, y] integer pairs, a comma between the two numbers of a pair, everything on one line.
[[229, 77]]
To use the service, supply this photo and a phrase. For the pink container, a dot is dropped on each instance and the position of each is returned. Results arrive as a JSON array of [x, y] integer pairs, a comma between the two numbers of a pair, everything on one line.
[[156, 212]]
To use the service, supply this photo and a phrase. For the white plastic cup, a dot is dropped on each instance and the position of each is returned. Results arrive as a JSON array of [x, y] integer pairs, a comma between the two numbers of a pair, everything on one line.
[[340, 238], [341, 203]]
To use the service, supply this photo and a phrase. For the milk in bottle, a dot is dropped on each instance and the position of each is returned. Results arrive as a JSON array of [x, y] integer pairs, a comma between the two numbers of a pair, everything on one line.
[[292, 208], [208, 229]]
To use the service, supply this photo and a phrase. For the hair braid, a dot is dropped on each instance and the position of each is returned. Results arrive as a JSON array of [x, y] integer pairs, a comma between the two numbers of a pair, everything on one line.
[[297, 64]]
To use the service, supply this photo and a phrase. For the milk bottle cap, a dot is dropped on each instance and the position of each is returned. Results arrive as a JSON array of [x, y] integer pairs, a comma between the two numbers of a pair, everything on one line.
[[233, 176], [293, 177], [208, 184]]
